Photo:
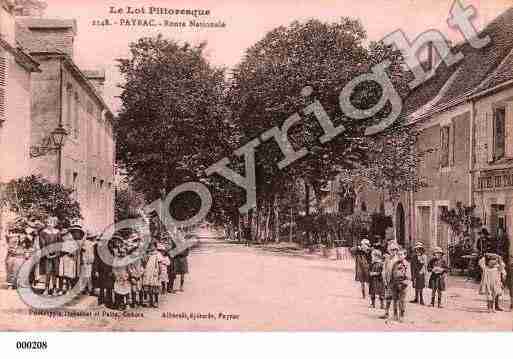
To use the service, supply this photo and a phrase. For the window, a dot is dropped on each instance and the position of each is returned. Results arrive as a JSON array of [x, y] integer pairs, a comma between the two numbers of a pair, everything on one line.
[[444, 146], [499, 133], [76, 122], [69, 110], [74, 185]]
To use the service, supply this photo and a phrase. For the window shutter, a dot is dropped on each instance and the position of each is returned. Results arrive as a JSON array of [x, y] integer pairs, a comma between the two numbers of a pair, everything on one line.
[[489, 135], [509, 130], [452, 139], [3, 86]]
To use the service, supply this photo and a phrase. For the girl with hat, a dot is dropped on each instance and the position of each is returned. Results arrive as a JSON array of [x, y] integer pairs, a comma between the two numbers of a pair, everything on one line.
[[15, 258], [390, 259], [135, 271], [50, 236], [438, 268], [376, 286], [362, 255], [151, 276], [491, 281], [121, 282], [87, 246], [418, 272], [164, 262], [401, 276]]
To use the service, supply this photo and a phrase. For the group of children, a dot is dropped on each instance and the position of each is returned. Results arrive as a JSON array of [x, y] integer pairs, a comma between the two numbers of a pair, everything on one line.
[[152, 271], [143, 280], [389, 275]]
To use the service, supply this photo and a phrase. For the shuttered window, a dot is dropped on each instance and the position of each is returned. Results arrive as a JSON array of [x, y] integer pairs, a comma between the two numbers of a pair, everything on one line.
[[444, 144], [499, 132], [3, 87]]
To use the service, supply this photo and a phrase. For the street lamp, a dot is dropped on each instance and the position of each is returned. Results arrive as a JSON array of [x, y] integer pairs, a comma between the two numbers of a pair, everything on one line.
[[54, 142]]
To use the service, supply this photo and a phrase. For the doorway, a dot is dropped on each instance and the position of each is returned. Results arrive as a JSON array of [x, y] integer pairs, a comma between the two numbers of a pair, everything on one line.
[[400, 225]]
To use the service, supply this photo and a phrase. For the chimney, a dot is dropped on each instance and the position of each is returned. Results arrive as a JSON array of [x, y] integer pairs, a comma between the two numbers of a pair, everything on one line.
[[96, 78], [30, 8], [433, 57]]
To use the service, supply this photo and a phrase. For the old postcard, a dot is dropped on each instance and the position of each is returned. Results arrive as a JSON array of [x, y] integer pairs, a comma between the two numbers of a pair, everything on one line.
[[281, 165]]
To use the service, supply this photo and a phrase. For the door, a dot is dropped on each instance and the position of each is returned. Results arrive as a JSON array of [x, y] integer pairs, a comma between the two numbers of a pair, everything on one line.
[[442, 238], [424, 226]]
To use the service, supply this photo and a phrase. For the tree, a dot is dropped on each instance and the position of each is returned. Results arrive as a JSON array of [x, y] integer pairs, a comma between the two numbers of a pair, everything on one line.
[[267, 88], [128, 203], [173, 122], [37, 198]]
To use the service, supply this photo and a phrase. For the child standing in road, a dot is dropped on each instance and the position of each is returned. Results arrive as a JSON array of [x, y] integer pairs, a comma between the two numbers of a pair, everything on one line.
[[121, 283], [401, 276], [164, 262], [151, 276], [438, 268], [491, 281], [135, 272], [418, 272], [376, 285]]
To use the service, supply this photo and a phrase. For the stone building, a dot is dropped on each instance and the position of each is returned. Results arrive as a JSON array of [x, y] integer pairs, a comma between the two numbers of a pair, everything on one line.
[[16, 69], [463, 121], [62, 94]]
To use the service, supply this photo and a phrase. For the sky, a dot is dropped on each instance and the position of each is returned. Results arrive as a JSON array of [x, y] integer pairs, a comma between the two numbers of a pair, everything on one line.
[[246, 23]]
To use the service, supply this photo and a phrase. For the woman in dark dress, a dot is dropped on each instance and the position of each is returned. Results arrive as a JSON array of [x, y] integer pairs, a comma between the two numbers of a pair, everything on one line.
[[362, 255], [180, 267], [418, 272]]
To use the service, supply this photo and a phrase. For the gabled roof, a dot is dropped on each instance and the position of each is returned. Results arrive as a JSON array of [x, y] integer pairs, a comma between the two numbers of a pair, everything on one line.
[[478, 70]]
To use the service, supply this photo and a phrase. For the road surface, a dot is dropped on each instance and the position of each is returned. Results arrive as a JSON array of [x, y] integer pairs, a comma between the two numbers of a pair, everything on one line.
[[236, 288]]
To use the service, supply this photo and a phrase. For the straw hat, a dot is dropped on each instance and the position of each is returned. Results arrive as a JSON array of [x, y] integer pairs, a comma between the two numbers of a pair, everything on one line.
[[365, 242], [393, 245], [76, 225], [419, 245], [438, 250]]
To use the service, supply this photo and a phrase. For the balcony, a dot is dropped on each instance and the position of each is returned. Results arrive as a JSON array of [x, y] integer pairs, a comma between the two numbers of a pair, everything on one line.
[[493, 180]]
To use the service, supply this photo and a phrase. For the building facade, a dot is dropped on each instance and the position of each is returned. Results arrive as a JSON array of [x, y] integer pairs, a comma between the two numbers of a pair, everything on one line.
[[16, 70], [45, 89], [463, 121]]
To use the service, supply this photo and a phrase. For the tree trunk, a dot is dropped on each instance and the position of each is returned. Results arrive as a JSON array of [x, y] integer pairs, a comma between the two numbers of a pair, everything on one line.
[[268, 218], [307, 211], [276, 208]]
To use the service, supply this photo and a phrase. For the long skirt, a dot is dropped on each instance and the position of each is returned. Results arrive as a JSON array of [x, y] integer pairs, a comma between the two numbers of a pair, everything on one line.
[[68, 267], [136, 284], [86, 271], [376, 286], [181, 265], [13, 264], [419, 281]]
